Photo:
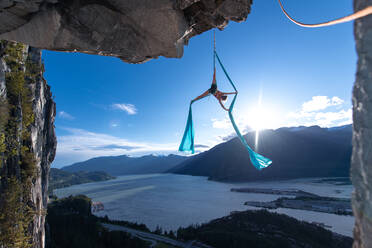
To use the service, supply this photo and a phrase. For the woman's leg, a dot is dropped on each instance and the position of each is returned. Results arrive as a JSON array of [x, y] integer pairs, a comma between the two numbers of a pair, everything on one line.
[[206, 93]]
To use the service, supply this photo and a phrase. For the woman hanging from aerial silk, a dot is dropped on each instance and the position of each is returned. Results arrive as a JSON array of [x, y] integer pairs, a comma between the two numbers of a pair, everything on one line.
[[187, 143], [221, 96]]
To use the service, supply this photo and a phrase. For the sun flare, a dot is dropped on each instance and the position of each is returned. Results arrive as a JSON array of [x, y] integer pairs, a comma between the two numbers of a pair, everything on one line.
[[261, 118]]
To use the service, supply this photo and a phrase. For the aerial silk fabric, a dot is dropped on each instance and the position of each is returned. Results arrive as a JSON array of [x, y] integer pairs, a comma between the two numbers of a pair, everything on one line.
[[187, 143], [258, 161]]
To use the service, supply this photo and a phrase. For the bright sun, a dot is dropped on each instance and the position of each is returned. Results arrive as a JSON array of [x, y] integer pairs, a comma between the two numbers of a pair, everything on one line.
[[261, 118]]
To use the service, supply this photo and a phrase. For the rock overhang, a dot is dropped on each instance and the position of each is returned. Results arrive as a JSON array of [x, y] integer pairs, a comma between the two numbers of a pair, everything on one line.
[[133, 30]]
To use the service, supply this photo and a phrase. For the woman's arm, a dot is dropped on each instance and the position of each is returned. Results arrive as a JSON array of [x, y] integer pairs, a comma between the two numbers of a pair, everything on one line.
[[223, 106], [229, 93]]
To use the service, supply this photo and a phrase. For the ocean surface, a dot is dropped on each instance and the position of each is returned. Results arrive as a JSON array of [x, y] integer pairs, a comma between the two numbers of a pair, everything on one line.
[[171, 201]]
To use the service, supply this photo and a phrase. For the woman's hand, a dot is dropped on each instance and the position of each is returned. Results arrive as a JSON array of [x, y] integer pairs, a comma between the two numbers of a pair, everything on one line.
[[223, 106]]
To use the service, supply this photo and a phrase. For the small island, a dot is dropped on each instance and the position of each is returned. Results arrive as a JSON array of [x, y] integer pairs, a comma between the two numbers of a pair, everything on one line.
[[329, 205], [293, 192], [302, 200]]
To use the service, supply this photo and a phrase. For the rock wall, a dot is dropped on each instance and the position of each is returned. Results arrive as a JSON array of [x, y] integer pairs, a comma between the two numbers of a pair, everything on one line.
[[133, 30], [27, 145], [361, 164]]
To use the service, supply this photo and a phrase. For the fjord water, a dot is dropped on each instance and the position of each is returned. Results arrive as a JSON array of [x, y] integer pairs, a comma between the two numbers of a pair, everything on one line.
[[171, 201]]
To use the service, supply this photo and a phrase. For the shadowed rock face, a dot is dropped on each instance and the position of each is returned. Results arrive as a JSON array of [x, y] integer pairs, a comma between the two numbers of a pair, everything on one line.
[[38, 137], [361, 164], [133, 30]]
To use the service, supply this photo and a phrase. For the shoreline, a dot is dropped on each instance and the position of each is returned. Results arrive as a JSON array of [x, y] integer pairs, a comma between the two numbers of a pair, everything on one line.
[[302, 200], [181, 190]]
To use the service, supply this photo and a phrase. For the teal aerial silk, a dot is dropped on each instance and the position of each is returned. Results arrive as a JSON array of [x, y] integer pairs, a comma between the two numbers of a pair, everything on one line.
[[257, 160], [187, 144]]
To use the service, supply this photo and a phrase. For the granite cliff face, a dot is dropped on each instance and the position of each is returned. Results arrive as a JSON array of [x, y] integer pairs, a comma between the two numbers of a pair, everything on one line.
[[27, 145], [133, 30], [361, 164]]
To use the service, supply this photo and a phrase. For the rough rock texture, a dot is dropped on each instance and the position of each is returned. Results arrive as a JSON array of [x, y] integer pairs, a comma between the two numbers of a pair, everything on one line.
[[133, 30], [361, 165], [44, 144], [36, 136]]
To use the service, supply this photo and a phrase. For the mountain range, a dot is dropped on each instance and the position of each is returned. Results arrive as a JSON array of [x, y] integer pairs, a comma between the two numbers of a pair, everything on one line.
[[296, 152], [125, 165]]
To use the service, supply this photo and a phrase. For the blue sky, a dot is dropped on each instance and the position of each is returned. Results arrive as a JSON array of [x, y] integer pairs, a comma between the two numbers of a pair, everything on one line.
[[286, 76]]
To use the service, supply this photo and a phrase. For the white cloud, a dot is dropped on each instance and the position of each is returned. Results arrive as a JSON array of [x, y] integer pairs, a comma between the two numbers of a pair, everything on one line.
[[78, 145], [336, 101], [126, 107], [331, 118], [65, 115], [114, 124], [312, 114], [323, 119], [320, 103], [221, 124]]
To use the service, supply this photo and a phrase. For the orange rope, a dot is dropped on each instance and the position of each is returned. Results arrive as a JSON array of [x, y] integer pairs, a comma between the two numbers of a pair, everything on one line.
[[359, 14]]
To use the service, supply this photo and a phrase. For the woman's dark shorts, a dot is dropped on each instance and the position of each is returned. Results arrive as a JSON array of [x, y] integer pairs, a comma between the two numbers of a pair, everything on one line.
[[213, 89]]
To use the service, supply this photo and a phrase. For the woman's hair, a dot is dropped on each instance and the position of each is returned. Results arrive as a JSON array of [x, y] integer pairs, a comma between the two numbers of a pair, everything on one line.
[[224, 97]]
